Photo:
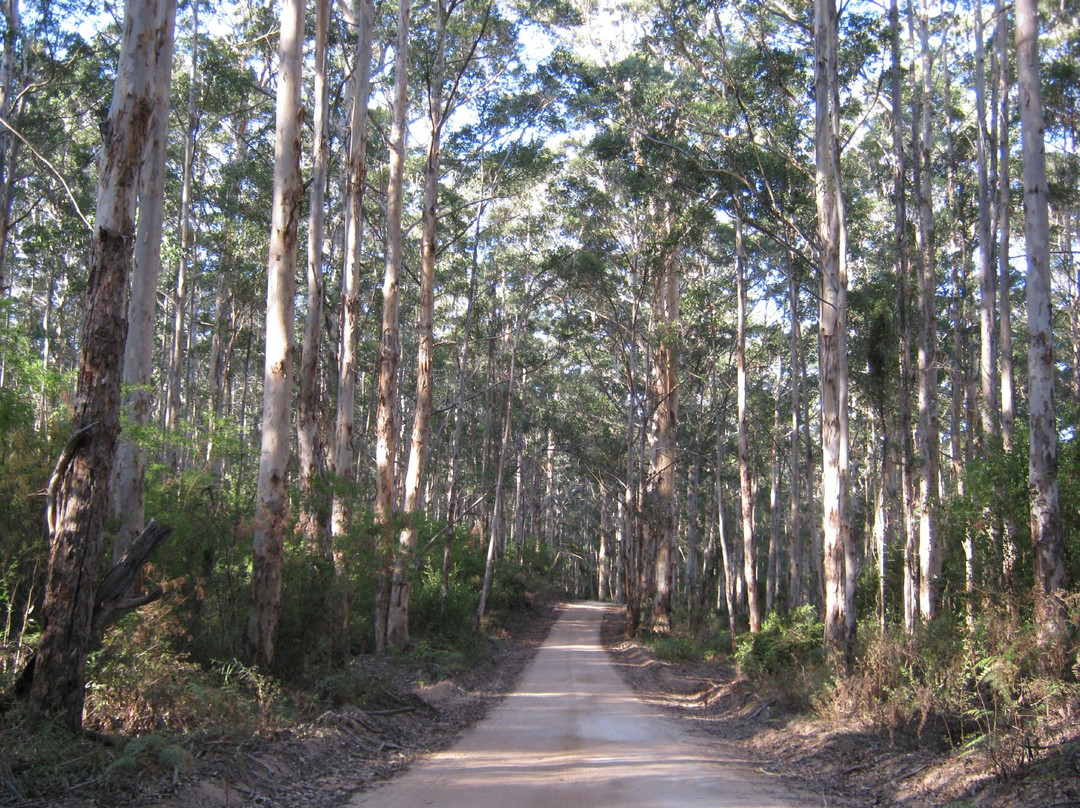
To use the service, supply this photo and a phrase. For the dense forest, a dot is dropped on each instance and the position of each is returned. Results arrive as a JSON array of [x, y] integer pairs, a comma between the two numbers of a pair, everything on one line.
[[751, 315]]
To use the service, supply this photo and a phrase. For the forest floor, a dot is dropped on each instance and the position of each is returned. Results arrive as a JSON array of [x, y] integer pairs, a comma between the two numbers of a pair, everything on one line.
[[317, 762], [322, 760], [852, 765]]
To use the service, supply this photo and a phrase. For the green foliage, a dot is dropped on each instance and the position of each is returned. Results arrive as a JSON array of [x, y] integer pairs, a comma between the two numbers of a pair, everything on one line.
[[982, 689], [786, 643]]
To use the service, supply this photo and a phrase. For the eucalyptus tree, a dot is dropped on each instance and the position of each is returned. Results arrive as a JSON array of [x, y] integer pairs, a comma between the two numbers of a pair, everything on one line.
[[309, 448], [832, 335], [1046, 526], [271, 510], [390, 346], [341, 458], [180, 297], [130, 474], [78, 491], [467, 50]]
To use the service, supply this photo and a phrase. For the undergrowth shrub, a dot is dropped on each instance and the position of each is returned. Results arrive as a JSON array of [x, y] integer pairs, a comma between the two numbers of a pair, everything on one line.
[[785, 643], [985, 690], [138, 683]]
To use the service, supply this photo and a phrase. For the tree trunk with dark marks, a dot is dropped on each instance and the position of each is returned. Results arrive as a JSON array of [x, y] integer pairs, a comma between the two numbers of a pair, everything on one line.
[[78, 492]]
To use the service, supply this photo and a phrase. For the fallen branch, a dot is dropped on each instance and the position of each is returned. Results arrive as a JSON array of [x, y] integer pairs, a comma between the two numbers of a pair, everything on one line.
[[111, 601]]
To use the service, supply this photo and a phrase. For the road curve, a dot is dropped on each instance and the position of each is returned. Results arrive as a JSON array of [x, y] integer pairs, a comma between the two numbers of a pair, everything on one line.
[[574, 734]]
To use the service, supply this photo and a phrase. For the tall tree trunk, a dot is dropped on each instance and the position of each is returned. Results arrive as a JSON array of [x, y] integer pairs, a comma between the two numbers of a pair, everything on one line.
[[795, 549], [631, 548], [1004, 211], [177, 352], [356, 180], [772, 589], [730, 573], [1046, 529], [746, 487], [900, 231], [665, 382], [130, 477], [78, 491], [1008, 406], [927, 431], [495, 528], [312, 514], [271, 506], [459, 414], [9, 145], [832, 331], [398, 615], [389, 348], [988, 403], [692, 532], [342, 450]]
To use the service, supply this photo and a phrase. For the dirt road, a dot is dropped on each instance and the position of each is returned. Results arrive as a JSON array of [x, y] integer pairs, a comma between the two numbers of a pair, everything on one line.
[[575, 735]]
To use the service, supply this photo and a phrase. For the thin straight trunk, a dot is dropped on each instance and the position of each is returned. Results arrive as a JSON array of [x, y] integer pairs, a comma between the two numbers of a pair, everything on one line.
[[746, 495], [1004, 210], [130, 478], [218, 372], [1051, 617], [988, 403], [78, 491], [398, 614], [459, 415], [386, 422], [602, 582], [272, 501], [692, 511], [956, 253], [9, 145], [907, 454], [312, 515], [881, 524], [495, 529], [176, 355], [832, 335], [796, 596], [730, 573], [927, 431], [549, 491], [631, 548], [1008, 405], [771, 585], [356, 180], [665, 376]]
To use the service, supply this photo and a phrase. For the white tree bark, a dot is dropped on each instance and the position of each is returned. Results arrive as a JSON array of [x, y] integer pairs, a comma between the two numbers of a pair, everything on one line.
[[176, 354], [390, 348], [987, 269], [271, 507], [1046, 529], [398, 614], [832, 335], [927, 431], [130, 475], [356, 179], [746, 486]]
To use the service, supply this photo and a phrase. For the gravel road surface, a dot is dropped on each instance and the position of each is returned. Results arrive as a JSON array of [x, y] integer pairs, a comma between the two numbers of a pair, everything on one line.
[[573, 734]]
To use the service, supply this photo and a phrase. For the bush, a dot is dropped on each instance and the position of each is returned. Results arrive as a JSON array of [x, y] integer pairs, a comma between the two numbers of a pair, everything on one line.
[[785, 643]]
